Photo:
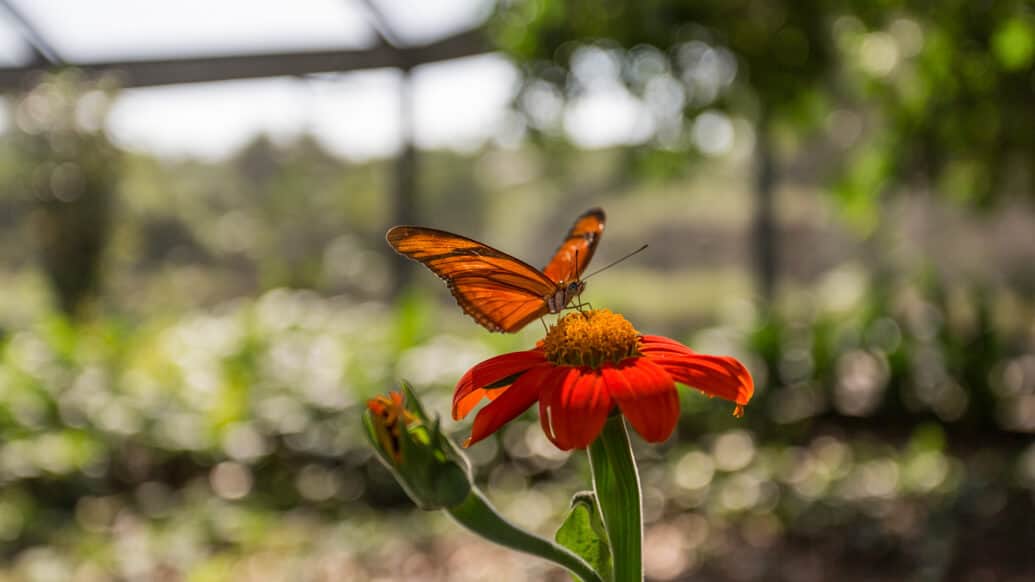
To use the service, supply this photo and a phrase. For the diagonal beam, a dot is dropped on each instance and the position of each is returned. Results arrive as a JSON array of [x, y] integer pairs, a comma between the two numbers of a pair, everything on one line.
[[380, 23], [149, 73], [41, 49]]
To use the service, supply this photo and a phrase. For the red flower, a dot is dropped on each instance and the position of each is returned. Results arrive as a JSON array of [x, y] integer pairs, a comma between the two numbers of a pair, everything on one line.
[[587, 364]]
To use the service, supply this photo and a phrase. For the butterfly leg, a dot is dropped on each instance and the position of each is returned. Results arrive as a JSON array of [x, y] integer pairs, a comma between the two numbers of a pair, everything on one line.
[[546, 328], [579, 304]]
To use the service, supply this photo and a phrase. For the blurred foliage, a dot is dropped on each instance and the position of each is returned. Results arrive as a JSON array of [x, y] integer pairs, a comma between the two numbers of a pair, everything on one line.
[[64, 166], [695, 54], [904, 419], [950, 89], [908, 90]]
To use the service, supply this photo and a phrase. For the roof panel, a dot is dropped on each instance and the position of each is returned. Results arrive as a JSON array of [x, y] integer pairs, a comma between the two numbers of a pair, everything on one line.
[[13, 49], [416, 22], [100, 30]]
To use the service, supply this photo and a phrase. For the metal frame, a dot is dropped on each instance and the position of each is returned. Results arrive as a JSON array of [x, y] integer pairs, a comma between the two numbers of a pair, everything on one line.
[[389, 52], [149, 73]]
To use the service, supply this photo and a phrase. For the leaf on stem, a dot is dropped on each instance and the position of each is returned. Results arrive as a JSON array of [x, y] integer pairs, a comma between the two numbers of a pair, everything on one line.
[[583, 533]]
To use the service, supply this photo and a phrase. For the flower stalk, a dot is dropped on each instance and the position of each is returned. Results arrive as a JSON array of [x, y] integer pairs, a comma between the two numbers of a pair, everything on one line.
[[617, 486], [478, 515]]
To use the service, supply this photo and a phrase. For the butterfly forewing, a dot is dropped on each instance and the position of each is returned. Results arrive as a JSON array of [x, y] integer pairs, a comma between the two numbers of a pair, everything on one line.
[[577, 248], [500, 292]]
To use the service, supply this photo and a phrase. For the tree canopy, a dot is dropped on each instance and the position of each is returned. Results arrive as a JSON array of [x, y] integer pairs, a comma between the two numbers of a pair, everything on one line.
[[938, 93]]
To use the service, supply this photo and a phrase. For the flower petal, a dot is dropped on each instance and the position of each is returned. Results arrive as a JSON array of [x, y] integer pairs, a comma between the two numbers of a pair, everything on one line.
[[512, 402], [720, 376], [660, 345], [574, 408], [463, 405], [471, 388], [646, 395]]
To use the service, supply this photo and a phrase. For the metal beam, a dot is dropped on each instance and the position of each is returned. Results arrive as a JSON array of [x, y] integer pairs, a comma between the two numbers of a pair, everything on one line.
[[41, 49], [380, 24], [149, 73]]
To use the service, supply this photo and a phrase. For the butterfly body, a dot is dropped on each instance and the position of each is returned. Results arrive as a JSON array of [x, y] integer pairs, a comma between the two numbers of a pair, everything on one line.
[[503, 293], [563, 296]]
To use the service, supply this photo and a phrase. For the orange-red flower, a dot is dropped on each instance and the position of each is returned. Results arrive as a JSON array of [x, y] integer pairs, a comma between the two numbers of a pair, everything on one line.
[[588, 363], [389, 417]]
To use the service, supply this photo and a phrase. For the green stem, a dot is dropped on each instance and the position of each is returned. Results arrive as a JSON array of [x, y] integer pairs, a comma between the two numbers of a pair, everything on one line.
[[617, 485], [478, 515]]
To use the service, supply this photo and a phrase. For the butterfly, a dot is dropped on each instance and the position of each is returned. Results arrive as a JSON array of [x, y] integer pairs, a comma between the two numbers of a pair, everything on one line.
[[500, 292]]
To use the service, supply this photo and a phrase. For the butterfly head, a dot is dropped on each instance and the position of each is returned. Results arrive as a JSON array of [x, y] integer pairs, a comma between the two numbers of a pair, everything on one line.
[[563, 295]]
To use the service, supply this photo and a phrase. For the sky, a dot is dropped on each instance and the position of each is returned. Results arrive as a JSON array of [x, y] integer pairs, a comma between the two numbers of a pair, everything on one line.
[[459, 104]]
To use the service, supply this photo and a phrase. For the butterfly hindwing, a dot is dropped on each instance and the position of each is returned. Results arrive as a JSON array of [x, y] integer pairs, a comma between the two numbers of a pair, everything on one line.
[[496, 308], [500, 292], [576, 250]]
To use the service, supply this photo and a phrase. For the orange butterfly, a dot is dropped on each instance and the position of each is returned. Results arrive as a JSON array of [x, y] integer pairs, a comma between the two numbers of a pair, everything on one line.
[[500, 292]]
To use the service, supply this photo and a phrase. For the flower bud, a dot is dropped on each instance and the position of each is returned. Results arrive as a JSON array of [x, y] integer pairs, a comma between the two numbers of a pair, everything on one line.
[[432, 471]]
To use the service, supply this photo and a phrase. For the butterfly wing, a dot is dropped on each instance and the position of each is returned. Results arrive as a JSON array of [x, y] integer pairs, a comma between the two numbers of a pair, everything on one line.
[[578, 246], [500, 292]]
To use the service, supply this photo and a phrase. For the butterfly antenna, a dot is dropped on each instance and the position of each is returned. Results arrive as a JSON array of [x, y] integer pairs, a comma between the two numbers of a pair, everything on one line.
[[613, 263], [575, 265], [578, 297]]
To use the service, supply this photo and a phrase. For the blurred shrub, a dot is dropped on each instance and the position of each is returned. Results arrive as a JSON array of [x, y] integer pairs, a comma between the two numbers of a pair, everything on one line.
[[66, 169], [214, 427]]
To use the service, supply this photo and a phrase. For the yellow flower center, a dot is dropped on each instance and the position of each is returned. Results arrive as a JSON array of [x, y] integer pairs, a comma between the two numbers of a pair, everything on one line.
[[590, 338]]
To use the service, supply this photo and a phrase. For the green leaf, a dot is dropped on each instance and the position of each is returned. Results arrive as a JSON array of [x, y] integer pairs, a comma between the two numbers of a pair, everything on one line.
[[413, 404], [583, 533], [1014, 44]]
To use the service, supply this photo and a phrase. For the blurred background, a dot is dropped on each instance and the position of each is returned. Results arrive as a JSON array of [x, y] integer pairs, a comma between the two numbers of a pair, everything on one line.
[[196, 296]]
